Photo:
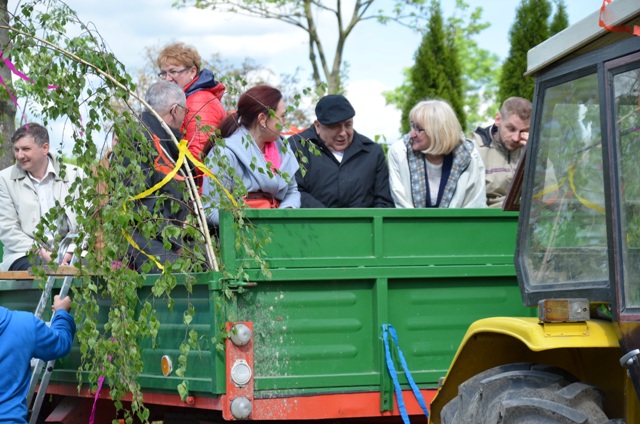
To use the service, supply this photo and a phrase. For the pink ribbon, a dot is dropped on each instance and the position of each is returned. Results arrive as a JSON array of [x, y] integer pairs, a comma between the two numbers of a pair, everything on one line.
[[19, 74], [95, 400], [92, 418]]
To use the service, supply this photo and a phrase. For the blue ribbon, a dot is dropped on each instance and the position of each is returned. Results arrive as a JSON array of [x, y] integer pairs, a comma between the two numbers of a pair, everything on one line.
[[388, 329]]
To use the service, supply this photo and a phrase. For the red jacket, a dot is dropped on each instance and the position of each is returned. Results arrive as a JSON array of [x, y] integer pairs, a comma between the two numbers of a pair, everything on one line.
[[203, 100]]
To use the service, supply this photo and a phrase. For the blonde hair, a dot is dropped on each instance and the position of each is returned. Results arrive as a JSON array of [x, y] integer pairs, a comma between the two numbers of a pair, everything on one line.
[[440, 124], [180, 52]]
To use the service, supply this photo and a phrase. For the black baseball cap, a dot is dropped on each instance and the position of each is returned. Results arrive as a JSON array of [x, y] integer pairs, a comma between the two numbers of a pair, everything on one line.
[[334, 108]]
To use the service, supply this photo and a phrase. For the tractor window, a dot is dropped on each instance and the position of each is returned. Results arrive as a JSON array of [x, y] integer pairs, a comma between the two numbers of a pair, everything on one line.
[[566, 241], [626, 86]]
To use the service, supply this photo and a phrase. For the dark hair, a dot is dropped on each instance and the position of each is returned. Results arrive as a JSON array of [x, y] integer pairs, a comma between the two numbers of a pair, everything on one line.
[[256, 100], [38, 132]]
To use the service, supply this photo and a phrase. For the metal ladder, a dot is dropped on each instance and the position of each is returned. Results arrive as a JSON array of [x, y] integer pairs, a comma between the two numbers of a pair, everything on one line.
[[37, 375]]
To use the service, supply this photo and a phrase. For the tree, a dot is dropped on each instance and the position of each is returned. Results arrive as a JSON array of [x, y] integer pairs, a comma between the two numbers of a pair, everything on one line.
[[239, 78], [7, 107], [436, 72], [304, 14], [74, 78], [560, 19], [479, 67], [530, 28]]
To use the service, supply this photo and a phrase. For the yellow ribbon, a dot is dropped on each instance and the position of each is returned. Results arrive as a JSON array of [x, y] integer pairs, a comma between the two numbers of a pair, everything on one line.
[[550, 189], [582, 200], [183, 150], [554, 187]]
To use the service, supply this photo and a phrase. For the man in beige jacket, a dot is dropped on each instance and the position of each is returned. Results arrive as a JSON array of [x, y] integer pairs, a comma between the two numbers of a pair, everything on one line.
[[501, 145], [28, 190]]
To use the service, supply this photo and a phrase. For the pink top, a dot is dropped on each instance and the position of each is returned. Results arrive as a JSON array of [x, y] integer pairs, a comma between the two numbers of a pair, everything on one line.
[[271, 155]]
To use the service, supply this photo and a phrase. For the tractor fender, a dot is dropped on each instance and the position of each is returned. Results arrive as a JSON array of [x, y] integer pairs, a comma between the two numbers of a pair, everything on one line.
[[589, 350]]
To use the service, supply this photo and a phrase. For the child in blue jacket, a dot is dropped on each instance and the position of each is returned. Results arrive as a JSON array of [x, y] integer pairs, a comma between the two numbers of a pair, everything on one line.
[[22, 337]]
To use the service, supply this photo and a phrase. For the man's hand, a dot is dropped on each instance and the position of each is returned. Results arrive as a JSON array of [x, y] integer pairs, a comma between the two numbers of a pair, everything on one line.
[[45, 254], [61, 303]]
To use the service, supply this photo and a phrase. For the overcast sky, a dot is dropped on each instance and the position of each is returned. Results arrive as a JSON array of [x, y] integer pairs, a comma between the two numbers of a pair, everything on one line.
[[376, 54]]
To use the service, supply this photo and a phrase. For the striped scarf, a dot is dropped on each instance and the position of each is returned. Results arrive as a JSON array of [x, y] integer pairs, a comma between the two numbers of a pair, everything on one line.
[[461, 160]]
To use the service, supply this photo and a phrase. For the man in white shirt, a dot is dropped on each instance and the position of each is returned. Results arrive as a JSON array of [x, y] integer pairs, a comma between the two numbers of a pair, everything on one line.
[[28, 190]]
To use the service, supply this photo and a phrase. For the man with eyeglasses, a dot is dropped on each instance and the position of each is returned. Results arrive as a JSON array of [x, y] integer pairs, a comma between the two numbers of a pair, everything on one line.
[[501, 145], [339, 168], [168, 204]]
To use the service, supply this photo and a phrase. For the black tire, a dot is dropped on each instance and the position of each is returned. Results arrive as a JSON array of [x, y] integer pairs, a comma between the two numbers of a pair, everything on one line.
[[525, 393]]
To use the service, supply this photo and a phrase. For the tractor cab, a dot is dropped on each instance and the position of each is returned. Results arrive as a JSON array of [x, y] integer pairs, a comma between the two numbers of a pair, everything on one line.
[[578, 249], [578, 245]]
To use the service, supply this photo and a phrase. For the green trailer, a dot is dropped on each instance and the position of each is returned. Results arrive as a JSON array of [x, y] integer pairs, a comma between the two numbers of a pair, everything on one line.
[[314, 348]]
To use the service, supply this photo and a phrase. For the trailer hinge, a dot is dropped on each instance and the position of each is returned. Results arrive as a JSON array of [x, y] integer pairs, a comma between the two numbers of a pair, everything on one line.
[[223, 284]]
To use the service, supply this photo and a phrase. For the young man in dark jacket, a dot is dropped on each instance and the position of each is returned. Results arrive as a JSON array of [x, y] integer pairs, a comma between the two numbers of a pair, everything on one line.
[[342, 169]]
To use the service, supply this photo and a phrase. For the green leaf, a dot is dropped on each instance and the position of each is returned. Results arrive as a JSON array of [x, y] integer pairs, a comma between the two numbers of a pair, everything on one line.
[[183, 390]]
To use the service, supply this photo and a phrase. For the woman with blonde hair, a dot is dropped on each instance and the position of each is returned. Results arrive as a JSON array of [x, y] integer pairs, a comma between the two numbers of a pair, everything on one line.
[[434, 166]]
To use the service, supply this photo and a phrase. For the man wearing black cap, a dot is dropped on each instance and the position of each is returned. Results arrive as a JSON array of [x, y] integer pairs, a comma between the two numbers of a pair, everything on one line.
[[339, 168]]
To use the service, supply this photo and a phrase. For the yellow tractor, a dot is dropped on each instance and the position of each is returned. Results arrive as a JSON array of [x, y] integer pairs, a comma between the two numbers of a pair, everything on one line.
[[578, 245]]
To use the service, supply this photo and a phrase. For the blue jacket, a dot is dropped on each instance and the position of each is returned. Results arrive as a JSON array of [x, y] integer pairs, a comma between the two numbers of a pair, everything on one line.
[[22, 337]]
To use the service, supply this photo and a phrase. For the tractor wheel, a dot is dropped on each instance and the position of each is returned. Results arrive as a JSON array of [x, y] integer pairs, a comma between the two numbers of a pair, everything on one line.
[[525, 393]]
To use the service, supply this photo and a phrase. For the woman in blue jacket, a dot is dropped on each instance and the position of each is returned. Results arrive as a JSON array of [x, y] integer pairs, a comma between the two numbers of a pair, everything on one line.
[[254, 154]]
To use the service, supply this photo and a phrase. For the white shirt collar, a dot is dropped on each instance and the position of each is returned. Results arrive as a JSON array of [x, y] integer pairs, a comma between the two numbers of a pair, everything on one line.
[[50, 170]]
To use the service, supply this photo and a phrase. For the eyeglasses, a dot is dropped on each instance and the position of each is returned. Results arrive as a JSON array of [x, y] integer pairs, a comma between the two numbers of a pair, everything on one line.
[[173, 73], [416, 128], [186, 109]]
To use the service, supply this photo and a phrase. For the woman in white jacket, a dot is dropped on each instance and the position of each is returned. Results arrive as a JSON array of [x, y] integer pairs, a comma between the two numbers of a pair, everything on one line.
[[434, 166]]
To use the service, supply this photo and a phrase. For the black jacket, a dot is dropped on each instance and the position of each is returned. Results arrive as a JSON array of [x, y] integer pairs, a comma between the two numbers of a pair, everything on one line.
[[361, 180], [169, 202]]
